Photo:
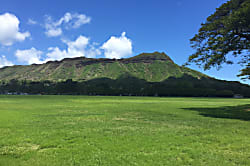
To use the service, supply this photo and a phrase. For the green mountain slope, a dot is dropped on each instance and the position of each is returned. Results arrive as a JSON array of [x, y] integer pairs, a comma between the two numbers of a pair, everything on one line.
[[152, 67]]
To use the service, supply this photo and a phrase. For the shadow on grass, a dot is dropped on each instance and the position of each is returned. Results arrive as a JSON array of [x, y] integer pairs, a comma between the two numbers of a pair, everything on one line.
[[241, 112]]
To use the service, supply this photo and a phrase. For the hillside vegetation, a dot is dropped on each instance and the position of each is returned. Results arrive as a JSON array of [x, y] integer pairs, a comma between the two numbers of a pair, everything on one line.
[[152, 67]]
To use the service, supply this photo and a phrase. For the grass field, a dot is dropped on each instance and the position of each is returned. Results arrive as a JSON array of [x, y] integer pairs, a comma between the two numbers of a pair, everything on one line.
[[82, 130]]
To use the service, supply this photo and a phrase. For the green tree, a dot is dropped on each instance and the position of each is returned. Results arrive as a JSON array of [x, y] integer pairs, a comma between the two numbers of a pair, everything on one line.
[[226, 32]]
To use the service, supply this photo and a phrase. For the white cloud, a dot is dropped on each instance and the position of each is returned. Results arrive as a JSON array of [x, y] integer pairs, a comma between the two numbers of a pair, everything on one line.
[[66, 18], [78, 48], [9, 30], [54, 28], [80, 20], [92, 52], [117, 47], [31, 22], [29, 56], [4, 62], [53, 32], [55, 54]]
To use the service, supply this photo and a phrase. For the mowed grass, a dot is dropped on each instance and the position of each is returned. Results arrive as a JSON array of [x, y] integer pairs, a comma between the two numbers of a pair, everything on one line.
[[84, 130]]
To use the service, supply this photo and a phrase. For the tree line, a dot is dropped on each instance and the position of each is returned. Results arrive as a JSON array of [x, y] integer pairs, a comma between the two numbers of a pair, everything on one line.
[[130, 86]]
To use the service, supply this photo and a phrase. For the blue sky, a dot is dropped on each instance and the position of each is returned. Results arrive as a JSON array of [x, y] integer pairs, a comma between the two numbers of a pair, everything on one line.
[[52, 30]]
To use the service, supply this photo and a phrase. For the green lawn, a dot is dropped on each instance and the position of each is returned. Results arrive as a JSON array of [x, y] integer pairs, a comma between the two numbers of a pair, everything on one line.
[[82, 130]]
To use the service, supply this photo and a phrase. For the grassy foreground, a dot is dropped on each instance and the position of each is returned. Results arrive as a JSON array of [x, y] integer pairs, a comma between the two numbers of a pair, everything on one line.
[[82, 130]]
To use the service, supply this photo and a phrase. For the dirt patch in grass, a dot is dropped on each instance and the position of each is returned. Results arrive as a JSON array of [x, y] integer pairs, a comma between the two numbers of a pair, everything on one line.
[[18, 149], [120, 119]]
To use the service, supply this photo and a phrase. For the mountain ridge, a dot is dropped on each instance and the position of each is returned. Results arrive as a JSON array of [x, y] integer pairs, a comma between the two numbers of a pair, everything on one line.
[[152, 67]]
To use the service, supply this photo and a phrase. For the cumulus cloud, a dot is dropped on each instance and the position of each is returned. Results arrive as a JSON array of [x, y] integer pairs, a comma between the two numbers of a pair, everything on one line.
[[117, 47], [55, 54], [92, 51], [53, 32], [4, 61], [9, 30], [81, 47], [29, 56], [69, 20], [78, 48]]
